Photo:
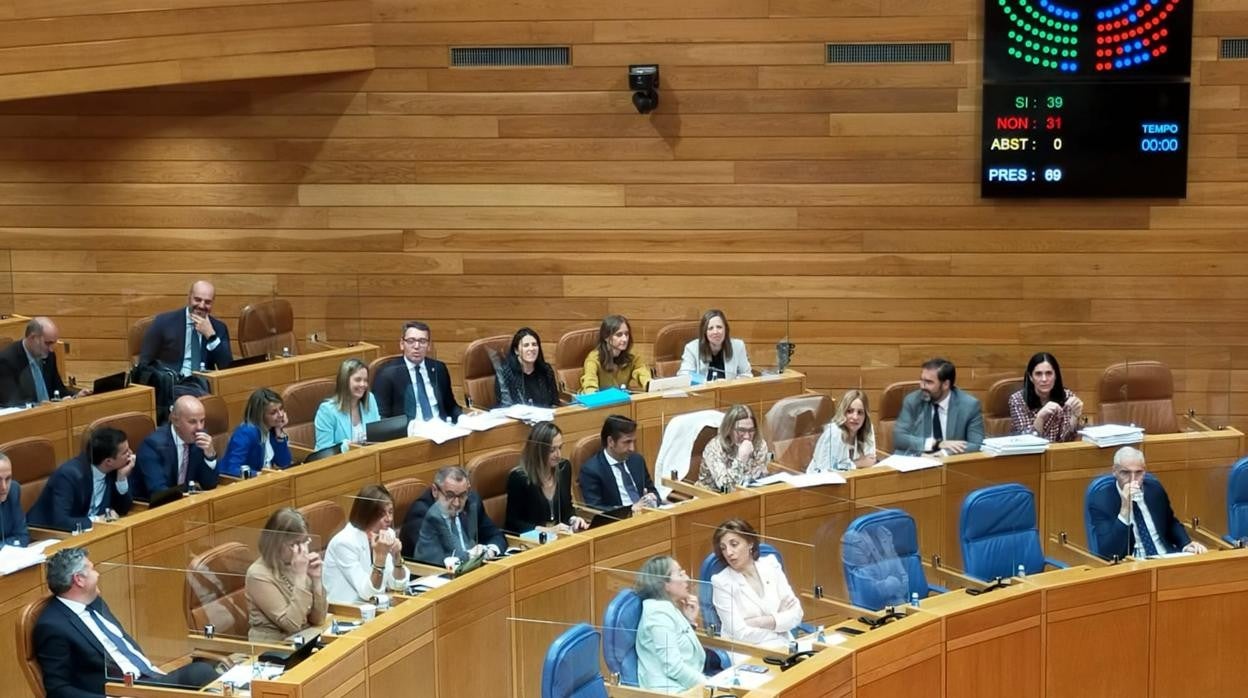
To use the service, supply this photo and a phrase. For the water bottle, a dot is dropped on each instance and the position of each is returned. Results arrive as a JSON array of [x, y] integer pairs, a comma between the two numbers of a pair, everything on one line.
[[1022, 570], [244, 472], [209, 630], [56, 396], [914, 599], [820, 636], [285, 352], [333, 627], [793, 647], [255, 670], [202, 367]]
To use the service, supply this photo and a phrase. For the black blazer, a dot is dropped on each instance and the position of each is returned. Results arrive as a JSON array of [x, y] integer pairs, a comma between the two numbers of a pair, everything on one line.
[[165, 341], [157, 465], [72, 660], [598, 483], [527, 506], [434, 543], [66, 499], [393, 390], [17, 383], [1113, 537]]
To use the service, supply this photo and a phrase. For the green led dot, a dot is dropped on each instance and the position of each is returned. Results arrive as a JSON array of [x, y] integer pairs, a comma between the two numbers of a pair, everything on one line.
[[1011, 34], [1073, 53], [1048, 36]]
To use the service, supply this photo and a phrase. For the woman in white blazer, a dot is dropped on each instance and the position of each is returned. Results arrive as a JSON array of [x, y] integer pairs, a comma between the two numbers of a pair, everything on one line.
[[715, 354], [345, 414], [751, 594], [670, 659], [363, 560]]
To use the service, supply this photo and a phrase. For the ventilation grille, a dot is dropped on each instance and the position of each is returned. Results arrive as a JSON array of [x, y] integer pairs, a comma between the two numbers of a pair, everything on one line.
[[1233, 48], [890, 53], [509, 56]]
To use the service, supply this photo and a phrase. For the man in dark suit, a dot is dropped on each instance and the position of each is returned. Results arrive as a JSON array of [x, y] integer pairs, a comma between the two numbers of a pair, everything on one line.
[[409, 534], [617, 475], [94, 486], [13, 529], [415, 384], [1134, 517], [456, 528], [938, 418], [177, 453], [28, 372], [80, 644], [186, 338]]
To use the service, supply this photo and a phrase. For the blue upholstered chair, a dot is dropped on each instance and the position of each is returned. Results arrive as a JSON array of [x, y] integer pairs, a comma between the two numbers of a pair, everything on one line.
[[619, 647], [1237, 503], [712, 565], [571, 666], [997, 530], [880, 554]]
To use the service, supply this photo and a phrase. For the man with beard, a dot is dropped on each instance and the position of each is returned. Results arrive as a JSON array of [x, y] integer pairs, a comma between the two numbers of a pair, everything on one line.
[[938, 418]]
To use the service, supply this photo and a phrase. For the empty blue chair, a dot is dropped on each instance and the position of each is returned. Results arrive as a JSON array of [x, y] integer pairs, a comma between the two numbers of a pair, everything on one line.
[[997, 529], [619, 646], [571, 666], [1237, 503], [880, 554]]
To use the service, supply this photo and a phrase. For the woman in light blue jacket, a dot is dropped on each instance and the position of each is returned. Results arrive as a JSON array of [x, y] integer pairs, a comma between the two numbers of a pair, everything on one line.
[[343, 416], [670, 658]]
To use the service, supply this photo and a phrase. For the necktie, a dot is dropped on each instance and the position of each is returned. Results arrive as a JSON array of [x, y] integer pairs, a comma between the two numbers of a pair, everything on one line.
[[426, 412], [629, 486], [99, 502], [184, 463], [197, 347], [41, 387], [134, 656], [459, 531], [938, 434], [1146, 540]]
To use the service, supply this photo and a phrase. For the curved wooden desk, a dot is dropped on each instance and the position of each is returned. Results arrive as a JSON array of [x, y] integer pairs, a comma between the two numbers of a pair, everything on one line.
[[1179, 620]]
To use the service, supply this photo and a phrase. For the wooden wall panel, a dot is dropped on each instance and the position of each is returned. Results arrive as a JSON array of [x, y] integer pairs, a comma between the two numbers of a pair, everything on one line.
[[70, 46], [835, 205]]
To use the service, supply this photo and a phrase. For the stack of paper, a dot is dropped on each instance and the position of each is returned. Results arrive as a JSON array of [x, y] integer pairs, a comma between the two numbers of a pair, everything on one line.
[[1015, 445], [435, 431], [482, 421], [13, 558], [908, 464], [529, 413], [1107, 435]]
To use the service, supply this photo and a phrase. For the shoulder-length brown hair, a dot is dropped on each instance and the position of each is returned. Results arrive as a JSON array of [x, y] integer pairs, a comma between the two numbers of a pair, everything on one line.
[[285, 526], [839, 418], [369, 505], [610, 324], [704, 347]]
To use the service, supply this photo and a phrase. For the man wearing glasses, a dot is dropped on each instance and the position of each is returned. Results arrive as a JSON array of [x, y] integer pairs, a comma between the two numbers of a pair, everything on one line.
[[455, 527], [415, 384], [28, 373]]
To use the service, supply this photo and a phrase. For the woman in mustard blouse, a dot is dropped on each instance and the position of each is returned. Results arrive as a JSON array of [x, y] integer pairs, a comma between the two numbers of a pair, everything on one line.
[[613, 362]]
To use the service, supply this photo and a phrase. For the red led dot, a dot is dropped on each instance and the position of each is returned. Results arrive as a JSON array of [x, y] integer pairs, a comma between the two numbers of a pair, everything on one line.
[[1169, 6], [1147, 7], [1100, 39], [1156, 36], [1156, 53], [1161, 48], [1146, 42], [1161, 16], [1119, 51], [1164, 32], [1100, 27], [1139, 13]]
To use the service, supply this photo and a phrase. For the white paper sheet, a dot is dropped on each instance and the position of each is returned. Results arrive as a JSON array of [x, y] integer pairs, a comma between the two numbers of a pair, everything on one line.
[[435, 431], [907, 464]]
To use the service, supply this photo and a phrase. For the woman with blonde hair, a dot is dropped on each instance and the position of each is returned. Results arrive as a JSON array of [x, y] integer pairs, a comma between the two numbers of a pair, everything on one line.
[[284, 589], [345, 414], [737, 454], [848, 442]]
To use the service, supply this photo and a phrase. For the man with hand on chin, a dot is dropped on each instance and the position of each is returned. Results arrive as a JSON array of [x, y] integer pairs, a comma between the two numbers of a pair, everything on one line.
[[179, 453], [1134, 518], [189, 339]]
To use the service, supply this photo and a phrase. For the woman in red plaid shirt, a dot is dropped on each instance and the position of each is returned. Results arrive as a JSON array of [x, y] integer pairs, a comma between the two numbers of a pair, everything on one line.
[[1044, 406]]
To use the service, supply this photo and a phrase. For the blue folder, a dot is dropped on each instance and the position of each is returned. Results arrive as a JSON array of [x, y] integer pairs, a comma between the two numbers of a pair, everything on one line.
[[602, 398]]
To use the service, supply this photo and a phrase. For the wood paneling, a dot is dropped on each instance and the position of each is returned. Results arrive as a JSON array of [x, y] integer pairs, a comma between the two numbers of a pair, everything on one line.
[[75, 46], [835, 205]]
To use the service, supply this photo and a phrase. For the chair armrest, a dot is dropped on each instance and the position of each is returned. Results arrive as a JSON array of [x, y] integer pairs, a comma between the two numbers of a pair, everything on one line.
[[938, 589], [1055, 564]]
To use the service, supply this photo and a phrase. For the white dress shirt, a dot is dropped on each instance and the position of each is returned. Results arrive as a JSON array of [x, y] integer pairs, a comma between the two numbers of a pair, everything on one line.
[[619, 479], [90, 619], [1161, 545], [99, 480], [187, 368], [349, 569], [943, 413], [184, 453], [832, 453], [420, 377]]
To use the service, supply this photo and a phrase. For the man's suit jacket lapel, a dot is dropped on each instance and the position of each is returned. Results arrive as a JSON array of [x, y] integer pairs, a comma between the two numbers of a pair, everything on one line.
[[471, 511], [169, 456], [85, 486], [610, 489], [81, 627], [951, 419]]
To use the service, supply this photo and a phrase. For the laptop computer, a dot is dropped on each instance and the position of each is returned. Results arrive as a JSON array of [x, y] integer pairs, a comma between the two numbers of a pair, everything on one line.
[[249, 360], [610, 516], [290, 660], [165, 496], [327, 452], [109, 383], [388, 429]]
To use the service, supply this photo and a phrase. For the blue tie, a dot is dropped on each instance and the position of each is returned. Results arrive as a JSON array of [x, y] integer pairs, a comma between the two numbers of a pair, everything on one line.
[[629, 486], [1146, 540], [197, 348], [41, 388], [138, 660], [426, 411]]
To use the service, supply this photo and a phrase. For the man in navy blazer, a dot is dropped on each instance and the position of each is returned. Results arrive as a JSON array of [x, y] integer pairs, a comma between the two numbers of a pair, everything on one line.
[[177, 453], [13, 529], [1134, 517], [74, 632], [20, 360], [394, 385], [183, 339], [456, 526], [617, 475], [938, 418], [94, 486]]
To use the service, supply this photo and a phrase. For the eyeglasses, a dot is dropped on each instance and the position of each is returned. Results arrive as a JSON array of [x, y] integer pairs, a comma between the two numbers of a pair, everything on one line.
[[416, 341], [742, 430], [453, 495]]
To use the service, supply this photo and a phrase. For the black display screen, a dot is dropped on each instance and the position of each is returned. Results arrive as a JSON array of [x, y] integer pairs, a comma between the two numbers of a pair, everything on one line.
[[1086, 99]]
